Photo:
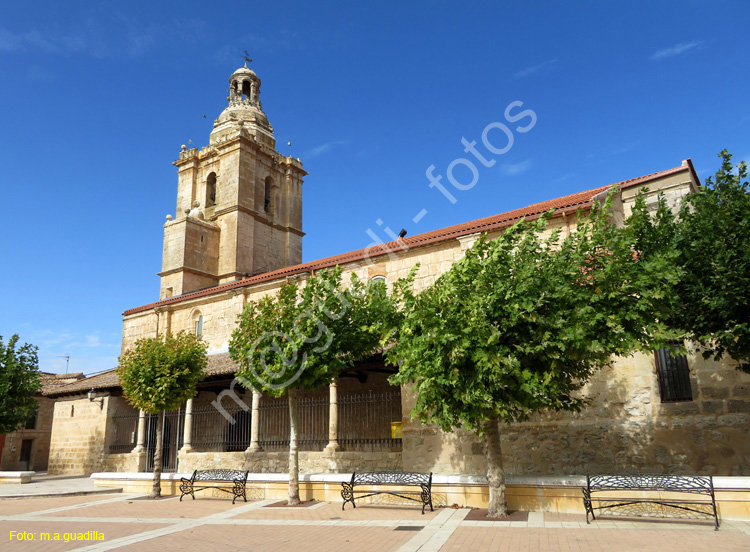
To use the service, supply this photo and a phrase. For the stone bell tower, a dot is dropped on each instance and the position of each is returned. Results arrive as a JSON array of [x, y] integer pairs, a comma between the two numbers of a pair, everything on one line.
[[239, 201]]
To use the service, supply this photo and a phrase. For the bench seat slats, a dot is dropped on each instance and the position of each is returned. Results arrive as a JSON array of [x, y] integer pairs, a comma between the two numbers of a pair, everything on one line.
[[625, 485], [392, 479], [236, 481]]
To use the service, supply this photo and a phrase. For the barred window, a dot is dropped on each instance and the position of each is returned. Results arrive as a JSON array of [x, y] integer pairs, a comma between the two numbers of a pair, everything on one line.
[[674, 376]]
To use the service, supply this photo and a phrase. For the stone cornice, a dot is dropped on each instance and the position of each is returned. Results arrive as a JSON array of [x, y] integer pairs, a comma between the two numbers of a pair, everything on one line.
[[257, 216], [187, 269], [236, 141]]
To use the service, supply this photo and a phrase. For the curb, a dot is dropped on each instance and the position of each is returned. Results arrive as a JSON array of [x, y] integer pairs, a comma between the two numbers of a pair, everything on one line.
[[71, 493]]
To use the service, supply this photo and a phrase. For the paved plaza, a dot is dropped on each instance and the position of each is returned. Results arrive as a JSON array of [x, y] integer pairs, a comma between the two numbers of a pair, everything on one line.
[[117, 521]]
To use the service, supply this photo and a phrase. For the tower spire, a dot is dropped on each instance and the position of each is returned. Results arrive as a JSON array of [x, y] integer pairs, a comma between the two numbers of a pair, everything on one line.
[[245, 110]]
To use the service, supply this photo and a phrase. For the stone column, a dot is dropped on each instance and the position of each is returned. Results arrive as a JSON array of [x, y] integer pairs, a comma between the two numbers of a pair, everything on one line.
[[139, 452], [139, 446], [187, 434], [333, 419], [255, 424]]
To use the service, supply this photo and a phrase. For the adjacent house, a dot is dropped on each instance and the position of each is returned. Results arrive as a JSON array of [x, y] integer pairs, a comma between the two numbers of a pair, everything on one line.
[[27, 449]]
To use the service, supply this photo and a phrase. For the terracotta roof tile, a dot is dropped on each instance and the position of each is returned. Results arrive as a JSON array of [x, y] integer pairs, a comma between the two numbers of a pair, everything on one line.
[[218, 364], [104, 380], [50, 382], [567, 203]]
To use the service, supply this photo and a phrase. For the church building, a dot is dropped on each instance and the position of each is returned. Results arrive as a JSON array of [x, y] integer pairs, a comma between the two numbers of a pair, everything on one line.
[[236, 236]]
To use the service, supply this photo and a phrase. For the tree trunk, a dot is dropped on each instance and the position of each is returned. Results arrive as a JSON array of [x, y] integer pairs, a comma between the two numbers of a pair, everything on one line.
[[156, 492], [495, 474], [293, 452]]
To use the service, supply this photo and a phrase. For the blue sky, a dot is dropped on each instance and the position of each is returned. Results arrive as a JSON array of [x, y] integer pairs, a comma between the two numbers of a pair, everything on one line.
[[98, 97]]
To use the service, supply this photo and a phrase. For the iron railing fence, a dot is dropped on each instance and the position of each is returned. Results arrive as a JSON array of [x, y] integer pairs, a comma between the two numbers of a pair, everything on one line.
[[364, 424], [365, 421], [312, 433], [124, 433], [172, 433], [215, 432]]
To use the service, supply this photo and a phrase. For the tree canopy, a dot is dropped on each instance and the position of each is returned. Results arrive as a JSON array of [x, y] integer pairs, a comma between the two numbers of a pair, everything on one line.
[[521, 323], [712, 237], [19, 382], [304, 336], [160, 373]]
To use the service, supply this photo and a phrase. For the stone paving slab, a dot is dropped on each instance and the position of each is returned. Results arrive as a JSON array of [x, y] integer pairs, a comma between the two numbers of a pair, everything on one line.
[[128, 522], [43, 485], [12, 506], [167, 508], [109, 532], [260, 538], [333, 510], [506, 539]]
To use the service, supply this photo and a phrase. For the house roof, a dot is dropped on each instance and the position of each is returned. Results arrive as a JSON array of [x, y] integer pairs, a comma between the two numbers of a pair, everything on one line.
[[51, 382], [218, 364], [565, 204], [104, 380]]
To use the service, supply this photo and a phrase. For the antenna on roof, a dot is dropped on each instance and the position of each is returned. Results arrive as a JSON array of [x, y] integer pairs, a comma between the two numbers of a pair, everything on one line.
[[67, 361]]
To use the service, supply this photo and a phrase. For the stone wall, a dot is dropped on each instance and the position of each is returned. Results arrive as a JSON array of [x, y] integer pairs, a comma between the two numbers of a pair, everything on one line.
[[123, 463], [10, 459], [78, 443], [625, 429], [278, 462]]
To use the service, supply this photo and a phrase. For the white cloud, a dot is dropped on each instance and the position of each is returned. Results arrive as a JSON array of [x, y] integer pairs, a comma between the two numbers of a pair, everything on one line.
[[512, 169], [101, 34], [324, 148], [528, 71], [675, 50]]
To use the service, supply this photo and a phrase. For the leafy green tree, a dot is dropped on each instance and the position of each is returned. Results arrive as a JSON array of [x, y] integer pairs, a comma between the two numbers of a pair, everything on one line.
[[712, 237], [161, 373], [19, 382], [303, 337], [521, 323]]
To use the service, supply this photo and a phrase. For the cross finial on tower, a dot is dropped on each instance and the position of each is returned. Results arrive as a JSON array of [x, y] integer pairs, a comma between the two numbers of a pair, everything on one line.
[[247, 58]]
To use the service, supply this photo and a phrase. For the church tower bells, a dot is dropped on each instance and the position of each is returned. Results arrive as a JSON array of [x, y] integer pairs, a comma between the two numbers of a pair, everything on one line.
[[239, 201]]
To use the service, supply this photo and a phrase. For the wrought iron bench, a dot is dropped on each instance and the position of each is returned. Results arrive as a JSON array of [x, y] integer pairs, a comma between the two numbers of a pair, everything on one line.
[[701, 488], [389, 478], [235, 480]]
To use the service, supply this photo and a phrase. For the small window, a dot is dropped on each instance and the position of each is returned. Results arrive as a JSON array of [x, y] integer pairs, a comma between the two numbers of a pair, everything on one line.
[[211, 190], [375, 280], [199, 325], [31, 422], [674, 376]]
